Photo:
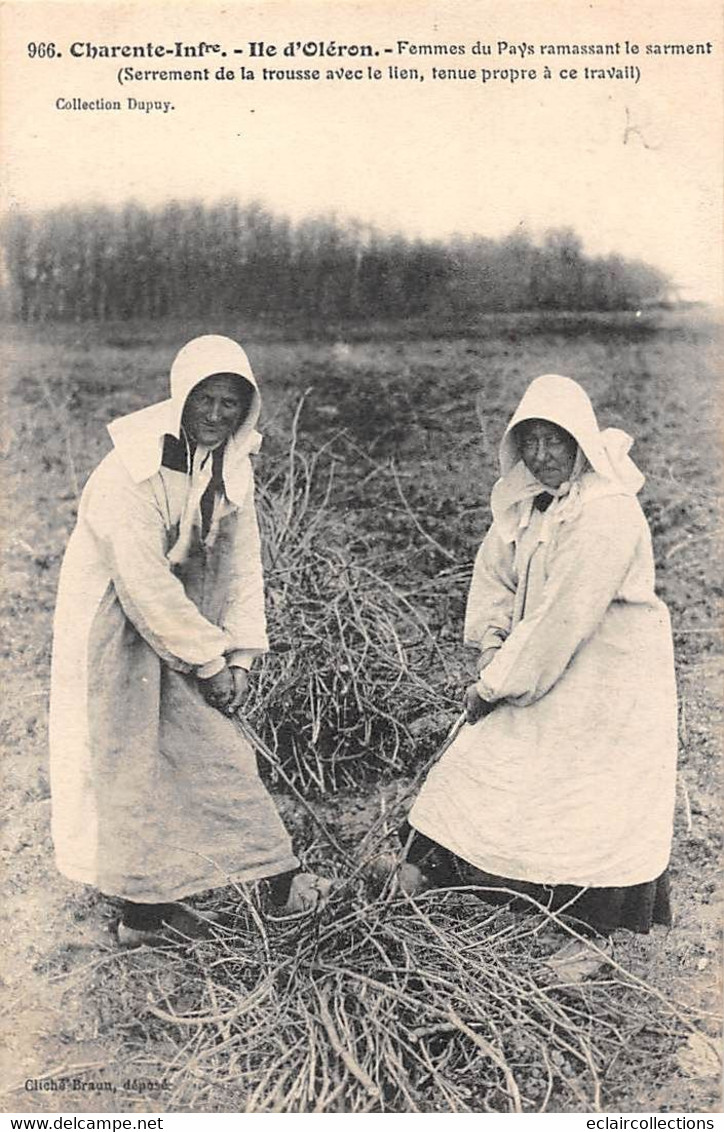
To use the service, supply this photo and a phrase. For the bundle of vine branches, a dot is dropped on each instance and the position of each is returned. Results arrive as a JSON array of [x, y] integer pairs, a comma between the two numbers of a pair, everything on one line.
[[398, 1005], [354, 666]]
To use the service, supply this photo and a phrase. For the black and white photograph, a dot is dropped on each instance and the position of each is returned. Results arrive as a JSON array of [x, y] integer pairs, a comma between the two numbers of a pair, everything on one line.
[[362, 573]]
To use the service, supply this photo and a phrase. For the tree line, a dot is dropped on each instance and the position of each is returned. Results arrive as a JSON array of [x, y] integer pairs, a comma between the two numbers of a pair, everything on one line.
[[185, 259]]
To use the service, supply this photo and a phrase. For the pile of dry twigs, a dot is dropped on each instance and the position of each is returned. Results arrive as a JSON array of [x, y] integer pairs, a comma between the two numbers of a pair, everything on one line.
[[354, 666], [388, 1004]]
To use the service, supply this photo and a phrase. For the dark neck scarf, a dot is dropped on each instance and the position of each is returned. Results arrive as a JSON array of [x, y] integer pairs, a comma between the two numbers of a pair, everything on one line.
[[215, 488], [543, 500], [177, 457]]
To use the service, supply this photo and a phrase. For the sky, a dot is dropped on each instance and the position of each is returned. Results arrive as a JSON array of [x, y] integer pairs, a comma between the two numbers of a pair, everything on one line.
[[633, 167]]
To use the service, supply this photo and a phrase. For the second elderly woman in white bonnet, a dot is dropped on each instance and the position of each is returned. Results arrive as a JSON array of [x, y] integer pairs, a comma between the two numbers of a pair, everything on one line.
[[561, 784]]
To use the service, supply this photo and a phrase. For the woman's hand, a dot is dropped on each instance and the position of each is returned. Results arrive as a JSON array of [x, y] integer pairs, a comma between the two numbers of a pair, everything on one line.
[[475, 706], [241, 689], [219, 690], [486, 656]]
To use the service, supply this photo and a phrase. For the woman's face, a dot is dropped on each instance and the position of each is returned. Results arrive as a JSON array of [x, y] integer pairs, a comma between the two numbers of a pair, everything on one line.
[[548, 451], [215, 409]]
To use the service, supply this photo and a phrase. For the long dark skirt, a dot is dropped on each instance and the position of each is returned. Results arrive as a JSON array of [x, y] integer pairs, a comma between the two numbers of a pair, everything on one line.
[[636, 907]]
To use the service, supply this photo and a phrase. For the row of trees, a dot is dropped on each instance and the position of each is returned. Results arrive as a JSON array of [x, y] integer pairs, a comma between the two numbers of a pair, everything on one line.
[[193, 259]]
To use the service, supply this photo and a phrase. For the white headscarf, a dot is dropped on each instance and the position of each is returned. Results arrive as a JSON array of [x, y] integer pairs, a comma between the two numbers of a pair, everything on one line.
[[138, 437], [602, 465]]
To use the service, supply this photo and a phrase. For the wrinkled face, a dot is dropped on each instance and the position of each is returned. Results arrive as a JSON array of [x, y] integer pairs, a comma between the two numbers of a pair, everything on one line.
[[548, 451], [215, 409]]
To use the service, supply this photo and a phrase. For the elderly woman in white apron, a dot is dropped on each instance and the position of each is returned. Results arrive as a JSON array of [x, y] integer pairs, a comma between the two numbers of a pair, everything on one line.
[[561, 784], [160, 613]]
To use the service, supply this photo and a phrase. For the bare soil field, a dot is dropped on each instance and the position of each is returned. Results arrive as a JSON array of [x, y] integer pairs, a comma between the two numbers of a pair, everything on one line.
[[375, 475]]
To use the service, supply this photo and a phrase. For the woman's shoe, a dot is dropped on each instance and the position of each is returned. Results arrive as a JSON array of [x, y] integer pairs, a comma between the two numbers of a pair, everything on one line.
[[130, 938], [306, 892], [578, 960], [178, 920], [409, 879]]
